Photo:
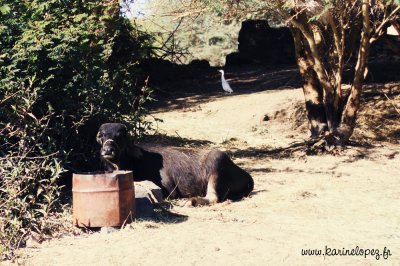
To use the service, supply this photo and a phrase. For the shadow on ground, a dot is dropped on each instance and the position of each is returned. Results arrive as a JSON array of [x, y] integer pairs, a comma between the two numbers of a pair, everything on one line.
[[276, 153], [176, 141], [186, 93], [163, 214]]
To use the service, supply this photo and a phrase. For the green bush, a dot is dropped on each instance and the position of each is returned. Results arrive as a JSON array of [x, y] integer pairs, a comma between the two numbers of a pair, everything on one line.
[[65, 67]]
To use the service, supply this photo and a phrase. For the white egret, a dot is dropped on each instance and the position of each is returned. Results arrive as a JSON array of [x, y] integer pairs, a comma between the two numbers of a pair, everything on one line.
[[225, 84]]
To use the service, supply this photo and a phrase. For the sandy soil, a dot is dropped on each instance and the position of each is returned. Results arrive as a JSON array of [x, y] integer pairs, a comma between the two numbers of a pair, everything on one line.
[[299, 202]]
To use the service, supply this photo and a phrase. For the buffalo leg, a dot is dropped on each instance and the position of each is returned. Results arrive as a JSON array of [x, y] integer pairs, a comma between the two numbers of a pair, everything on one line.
[[211, 195]]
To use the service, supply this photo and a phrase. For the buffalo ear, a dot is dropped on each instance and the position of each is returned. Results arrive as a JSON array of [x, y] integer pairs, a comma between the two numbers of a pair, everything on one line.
[[98, 137], [125, 129]]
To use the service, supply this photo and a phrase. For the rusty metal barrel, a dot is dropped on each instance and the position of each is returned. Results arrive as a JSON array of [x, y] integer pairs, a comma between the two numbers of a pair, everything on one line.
[[103, 198]]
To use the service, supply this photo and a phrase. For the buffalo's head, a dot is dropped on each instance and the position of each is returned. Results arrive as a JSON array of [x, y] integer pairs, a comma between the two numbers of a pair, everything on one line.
[[114, 140]]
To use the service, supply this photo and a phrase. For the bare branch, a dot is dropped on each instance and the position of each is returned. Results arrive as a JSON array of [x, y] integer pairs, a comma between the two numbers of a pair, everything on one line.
[[379, 30]]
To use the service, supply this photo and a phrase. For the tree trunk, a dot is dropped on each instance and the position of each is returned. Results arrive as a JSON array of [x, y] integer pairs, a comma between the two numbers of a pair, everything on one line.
[[313, 41], [313, 93], [344, 132]]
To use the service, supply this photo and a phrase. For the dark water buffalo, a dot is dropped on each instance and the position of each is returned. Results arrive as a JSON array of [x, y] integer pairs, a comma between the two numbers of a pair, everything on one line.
[[204, 176]]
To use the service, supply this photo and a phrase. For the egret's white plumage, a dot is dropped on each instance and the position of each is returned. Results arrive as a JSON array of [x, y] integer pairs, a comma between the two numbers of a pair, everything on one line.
[[225, 84]]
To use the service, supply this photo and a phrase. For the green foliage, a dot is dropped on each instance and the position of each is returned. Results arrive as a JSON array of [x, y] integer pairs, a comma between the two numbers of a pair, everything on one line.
[[65, 67]]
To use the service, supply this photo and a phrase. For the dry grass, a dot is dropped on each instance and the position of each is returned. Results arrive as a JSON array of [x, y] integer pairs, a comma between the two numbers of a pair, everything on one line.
[[379, 119]]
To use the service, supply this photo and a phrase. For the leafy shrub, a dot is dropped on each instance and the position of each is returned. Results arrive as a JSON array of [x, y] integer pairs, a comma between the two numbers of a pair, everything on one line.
[[65, 67]]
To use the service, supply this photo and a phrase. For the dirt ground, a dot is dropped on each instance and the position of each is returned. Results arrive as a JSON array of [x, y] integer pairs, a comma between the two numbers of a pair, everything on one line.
[[300, 201]]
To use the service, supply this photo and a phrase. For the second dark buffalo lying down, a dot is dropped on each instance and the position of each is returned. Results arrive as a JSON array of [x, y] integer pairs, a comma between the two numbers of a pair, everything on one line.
[[204, 176]]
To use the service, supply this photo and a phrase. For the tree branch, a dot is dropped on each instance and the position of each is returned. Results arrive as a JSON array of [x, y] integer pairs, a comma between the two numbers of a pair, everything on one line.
[[379, 30]]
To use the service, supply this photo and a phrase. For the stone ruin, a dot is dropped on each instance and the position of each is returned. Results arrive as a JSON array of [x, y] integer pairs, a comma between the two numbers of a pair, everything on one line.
[[261, 44]]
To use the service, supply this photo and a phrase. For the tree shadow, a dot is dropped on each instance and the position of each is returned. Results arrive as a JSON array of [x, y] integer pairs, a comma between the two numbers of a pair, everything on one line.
[[356, 150], [262, 170], [186, 93], [275, 153], [176, 141], [363, 150]]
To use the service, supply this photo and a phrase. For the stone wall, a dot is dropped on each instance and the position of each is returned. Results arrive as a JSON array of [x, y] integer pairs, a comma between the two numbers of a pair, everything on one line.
[[261, 44]]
